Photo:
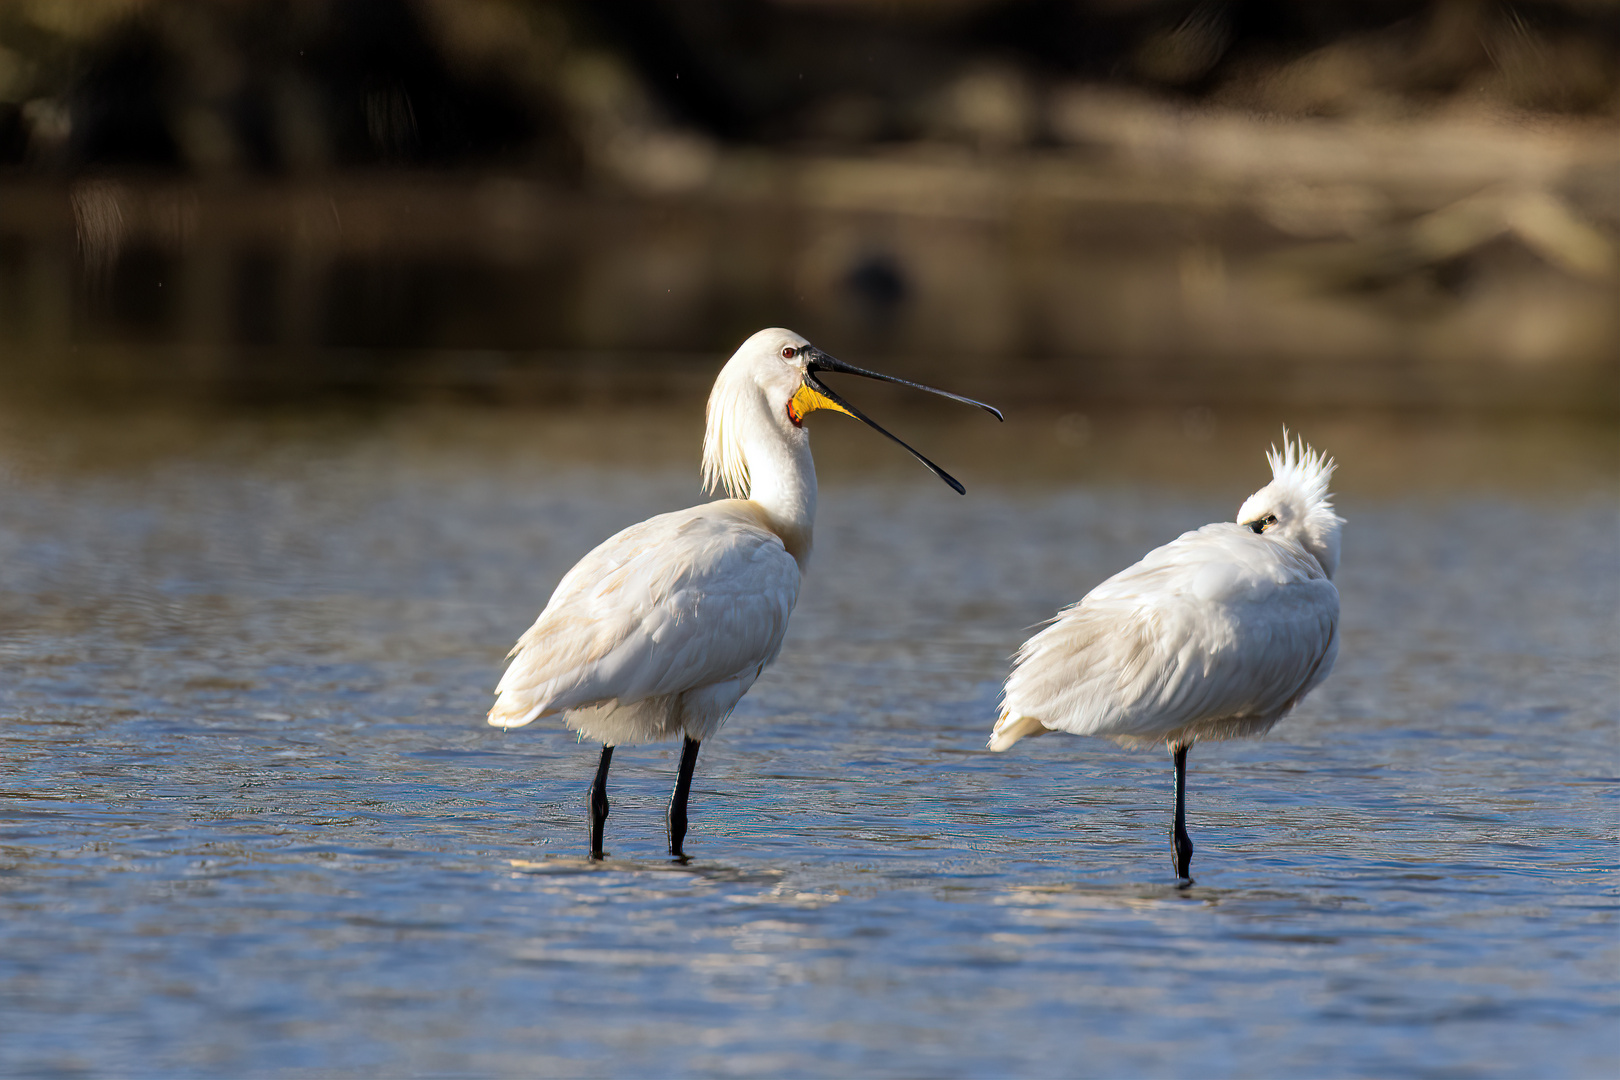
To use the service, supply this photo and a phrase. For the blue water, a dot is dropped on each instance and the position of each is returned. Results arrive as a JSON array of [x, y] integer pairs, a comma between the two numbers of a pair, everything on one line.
[[252, 822]]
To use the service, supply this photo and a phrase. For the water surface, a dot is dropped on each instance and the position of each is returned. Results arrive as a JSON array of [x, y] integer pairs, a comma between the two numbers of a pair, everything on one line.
[[252, 822]]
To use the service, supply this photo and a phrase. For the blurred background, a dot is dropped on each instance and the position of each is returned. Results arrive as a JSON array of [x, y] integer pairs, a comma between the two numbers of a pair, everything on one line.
[[333, 333], [1079, 204]]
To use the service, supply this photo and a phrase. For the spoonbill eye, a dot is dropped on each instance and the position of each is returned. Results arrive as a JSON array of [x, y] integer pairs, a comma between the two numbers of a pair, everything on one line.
[[788, 352]]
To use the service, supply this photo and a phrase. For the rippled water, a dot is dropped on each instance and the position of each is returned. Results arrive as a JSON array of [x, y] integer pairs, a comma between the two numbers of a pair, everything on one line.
[[252, 822]]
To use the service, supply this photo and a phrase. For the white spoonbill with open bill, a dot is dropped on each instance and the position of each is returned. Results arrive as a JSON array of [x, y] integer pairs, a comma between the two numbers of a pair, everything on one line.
[[662, 629], [1215, 635]]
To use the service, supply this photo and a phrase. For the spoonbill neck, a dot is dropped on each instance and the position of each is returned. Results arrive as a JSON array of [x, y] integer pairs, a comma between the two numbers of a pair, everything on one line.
[[782, 486]]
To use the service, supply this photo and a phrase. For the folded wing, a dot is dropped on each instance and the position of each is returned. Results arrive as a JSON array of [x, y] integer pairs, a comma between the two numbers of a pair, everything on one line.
[[677, 602], [1219, 625]]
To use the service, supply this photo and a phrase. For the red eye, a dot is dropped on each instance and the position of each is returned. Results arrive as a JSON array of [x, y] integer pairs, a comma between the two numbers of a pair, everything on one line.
[[788, 351]]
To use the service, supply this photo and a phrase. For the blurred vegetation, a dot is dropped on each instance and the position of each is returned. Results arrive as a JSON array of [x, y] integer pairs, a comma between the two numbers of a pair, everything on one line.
[[274, 86], [1209, 201]]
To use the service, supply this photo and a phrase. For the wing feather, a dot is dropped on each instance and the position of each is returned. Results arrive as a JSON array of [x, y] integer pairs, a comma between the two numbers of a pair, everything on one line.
[[1219, 624], [677, 602]]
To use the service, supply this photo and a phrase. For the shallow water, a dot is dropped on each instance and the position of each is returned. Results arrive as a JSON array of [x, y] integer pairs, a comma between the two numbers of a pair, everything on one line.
[[252, 822]]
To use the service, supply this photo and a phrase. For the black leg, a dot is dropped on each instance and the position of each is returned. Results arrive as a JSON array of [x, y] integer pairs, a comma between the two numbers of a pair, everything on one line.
[[677, 799], [597, 801], [1180, 842]]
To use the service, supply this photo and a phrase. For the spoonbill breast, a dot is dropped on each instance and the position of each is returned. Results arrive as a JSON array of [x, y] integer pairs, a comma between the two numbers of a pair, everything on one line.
[[682, 603], [1214, 635]]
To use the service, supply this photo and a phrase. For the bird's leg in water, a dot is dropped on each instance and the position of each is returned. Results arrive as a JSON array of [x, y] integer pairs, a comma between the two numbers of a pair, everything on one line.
[[597, 801], [677, 799], [1181, 843]]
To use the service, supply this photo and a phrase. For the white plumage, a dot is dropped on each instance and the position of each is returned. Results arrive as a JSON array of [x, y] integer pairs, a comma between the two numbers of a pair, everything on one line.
[[661, 630], [1216, 635]]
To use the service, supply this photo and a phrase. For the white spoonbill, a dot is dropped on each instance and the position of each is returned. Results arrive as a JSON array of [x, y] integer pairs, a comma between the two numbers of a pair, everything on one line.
[[662, 629], [1215, 635]]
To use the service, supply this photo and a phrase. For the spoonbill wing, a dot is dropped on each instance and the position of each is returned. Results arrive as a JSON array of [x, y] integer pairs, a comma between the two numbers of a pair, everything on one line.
[[677, 602], [1218, 624]]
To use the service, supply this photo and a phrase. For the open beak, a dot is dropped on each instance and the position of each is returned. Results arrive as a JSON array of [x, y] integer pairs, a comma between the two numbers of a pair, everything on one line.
[[816, 394]]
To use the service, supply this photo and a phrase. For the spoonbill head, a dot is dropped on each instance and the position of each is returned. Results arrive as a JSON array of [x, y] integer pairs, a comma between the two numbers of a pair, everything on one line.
[[1216, 635], [661, 630], [1296, 507], [762, 396]]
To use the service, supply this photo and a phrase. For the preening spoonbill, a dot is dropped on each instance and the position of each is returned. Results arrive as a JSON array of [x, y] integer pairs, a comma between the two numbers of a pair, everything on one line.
[[661, 630], [1215, 635]]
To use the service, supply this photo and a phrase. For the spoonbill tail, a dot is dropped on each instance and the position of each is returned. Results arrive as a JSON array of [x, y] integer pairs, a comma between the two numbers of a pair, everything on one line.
[[1215, 635], [662, 629]]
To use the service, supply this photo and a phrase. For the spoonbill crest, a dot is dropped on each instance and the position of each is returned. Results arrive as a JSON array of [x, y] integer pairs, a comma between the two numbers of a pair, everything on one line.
[[662, 629], [1215, 635]]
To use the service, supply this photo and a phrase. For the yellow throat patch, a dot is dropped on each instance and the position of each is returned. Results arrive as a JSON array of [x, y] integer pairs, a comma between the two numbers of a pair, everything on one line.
[[806, 400]]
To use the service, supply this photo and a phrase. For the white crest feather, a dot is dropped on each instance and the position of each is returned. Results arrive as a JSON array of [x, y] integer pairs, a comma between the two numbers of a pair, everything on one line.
[[1304, 472], [724, 463], [1299, 482]]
